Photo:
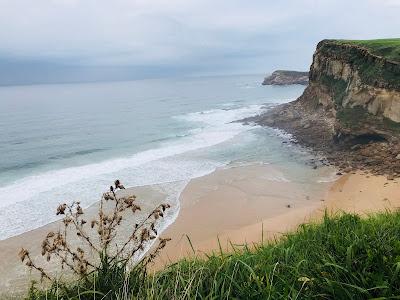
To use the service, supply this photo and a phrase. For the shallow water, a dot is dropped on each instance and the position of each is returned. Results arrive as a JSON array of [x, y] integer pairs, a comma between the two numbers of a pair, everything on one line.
[[67, 142]]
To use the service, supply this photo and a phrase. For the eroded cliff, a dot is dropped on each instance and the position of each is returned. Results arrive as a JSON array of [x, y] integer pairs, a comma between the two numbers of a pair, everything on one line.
[[360, 88], [350, 111]]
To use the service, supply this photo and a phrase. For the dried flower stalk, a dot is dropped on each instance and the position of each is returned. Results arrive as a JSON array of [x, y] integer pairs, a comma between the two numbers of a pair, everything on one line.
[[58, 246]]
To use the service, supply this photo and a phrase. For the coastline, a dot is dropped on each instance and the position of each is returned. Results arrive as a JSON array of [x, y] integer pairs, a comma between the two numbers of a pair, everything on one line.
[[236, 205], [359, 193]]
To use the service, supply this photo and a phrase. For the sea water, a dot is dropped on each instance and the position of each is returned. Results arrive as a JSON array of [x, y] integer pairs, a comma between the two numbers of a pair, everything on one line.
[[66, 142]]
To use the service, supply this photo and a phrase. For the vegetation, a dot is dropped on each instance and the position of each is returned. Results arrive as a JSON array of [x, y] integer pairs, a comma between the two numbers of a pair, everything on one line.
[[337, 88], [103, 258], [382, 71], [388, 48], [344, 257]]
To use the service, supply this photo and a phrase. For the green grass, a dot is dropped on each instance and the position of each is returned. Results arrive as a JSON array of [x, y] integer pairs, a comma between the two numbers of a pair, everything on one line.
[[388, 48], [344, 257], [372, 71]]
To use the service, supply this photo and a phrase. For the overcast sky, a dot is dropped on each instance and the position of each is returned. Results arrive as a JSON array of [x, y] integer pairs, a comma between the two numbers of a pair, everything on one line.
[[178, 37]]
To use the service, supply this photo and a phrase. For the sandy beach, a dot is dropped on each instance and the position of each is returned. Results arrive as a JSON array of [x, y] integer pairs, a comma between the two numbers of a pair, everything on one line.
[[226, 214], [237, 205]]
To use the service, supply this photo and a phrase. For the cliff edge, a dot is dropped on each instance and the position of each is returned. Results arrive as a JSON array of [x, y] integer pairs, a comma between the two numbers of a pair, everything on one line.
[[350, 110]]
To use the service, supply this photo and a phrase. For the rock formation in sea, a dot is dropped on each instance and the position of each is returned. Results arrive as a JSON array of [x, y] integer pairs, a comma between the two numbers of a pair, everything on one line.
[[350, 111], [285, 77]]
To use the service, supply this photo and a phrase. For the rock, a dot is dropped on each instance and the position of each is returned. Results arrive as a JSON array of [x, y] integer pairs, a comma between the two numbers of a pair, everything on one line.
[[285, 77], [339, 173], [347, 170], [352, 136], [390, 177]]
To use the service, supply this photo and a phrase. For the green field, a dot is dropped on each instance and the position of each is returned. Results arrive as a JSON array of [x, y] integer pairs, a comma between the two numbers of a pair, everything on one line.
[[343, 257], [388, 48]]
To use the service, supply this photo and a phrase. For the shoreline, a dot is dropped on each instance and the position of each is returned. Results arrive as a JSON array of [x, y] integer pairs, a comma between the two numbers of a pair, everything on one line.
[[230, 205], [358, 193], [236, 205]]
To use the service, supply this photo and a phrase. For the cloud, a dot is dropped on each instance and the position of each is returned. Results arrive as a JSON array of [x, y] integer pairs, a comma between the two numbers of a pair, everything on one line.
[[235, 35]]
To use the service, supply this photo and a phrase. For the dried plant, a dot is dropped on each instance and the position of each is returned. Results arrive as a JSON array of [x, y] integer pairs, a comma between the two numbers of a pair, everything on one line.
[[99, 249]]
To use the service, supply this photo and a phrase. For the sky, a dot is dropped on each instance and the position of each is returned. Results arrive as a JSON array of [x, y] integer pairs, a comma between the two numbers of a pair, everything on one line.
[[85, 40]]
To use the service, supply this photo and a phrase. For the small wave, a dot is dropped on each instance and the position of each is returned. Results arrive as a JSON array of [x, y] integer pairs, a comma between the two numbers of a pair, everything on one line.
[[329, 178], [76, 153], [28, 165], [222, 116], [30, 200]]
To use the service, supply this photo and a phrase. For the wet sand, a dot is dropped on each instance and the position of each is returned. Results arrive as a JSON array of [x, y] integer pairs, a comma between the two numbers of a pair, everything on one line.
[[225, 214], [247, 204], [238, 205]]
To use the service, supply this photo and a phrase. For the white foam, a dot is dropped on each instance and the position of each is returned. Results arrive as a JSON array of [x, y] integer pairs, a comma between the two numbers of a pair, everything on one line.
[[31, 201], [329, 178]]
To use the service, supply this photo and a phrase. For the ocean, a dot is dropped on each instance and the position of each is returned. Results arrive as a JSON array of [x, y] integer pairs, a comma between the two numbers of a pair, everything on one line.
[[65, 142]]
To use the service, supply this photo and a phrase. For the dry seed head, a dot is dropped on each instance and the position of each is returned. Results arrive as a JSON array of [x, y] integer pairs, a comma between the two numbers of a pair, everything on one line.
[[108, 196], [23, 254], [79, 210], [135, 208], [61, 209], [67, 221]]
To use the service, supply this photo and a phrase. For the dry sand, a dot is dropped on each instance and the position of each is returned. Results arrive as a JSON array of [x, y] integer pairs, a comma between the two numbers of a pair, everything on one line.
[[237, 205], [247, 209]]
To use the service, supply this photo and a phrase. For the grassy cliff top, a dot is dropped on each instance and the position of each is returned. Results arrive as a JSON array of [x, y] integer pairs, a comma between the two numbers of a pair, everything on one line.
[[388, 48]]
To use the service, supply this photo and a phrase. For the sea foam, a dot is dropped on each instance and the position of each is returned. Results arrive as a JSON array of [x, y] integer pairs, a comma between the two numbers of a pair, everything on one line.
[[30, 201]]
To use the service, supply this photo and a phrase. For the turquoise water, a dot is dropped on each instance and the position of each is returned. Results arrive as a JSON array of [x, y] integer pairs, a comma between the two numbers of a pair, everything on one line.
[[70, 141]]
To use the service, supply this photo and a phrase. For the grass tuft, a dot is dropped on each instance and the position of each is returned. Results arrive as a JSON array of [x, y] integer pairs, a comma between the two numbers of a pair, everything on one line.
[[343, 257]]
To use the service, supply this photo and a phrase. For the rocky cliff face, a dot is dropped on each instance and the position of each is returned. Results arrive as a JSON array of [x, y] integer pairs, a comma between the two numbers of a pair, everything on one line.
[[361, 89], [350, 111]]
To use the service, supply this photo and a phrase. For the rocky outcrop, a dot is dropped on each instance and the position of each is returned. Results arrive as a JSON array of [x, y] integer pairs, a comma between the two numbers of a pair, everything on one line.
[[362, 90], [284, 77], [350, 111]]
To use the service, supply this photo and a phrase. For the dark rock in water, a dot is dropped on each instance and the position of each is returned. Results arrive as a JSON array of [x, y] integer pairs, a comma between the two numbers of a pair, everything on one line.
[[284, 77]]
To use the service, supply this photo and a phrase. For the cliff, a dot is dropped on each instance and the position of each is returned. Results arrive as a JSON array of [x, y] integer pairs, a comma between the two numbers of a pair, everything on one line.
[[350, 111], [359, 82], [285, 77]]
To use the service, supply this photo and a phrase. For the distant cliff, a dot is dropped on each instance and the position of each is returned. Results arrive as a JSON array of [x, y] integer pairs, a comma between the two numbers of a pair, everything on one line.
[[284, 77], [350, 110]]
